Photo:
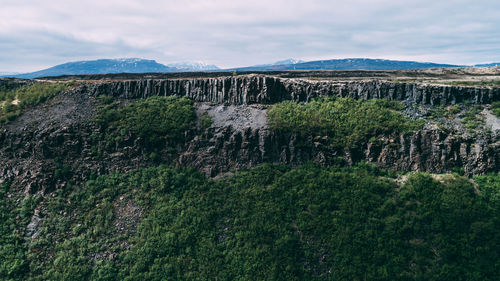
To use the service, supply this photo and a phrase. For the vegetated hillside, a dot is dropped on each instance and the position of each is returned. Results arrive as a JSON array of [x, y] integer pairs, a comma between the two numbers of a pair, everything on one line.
[[269, 223], [248, 178]]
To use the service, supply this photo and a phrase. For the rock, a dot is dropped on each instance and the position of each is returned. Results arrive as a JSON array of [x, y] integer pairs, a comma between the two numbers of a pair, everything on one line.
[[58, 132], [260, 89], [32, 229]]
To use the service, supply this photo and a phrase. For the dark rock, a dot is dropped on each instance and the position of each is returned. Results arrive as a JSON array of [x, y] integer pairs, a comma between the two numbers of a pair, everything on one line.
[[257, 89], [58, 132]]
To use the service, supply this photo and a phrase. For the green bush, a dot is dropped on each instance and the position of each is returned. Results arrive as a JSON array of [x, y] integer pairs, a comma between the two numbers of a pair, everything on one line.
[[495, 107], [489, 186], [155, 119], [347, 122], [444, 112], [471, 119], [206, 121], [13, 261], [268, 223]]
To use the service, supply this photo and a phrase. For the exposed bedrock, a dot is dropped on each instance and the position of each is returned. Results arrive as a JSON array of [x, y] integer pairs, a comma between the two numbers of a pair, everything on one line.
[[52, 144], [257, 89], [428, 150], [34, 160]]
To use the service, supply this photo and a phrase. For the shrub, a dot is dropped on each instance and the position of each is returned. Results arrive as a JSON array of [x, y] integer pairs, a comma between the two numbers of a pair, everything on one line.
[[268, 223], [495, 107], [155, 119], [206, 121], [347, 122], [471, 119]]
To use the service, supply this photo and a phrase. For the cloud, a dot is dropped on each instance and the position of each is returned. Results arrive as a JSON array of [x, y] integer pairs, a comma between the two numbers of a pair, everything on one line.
[[36, 34]]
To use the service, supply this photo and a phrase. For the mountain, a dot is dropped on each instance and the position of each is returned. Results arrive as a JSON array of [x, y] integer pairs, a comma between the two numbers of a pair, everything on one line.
[[281, 62], [128, 65], [8, 73], [347, 64], [488, 64], [136, 65], [288, 61], [193, 66]]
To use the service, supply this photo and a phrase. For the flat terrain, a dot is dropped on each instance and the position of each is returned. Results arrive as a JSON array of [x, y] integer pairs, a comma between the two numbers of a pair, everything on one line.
[[422, 75]]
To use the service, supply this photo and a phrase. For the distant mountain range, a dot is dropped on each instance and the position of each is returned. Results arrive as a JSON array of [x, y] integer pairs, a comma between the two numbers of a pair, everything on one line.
[[100, 67], [488, 64], [135, 65], [8, 73], [347, 64], [281, 62], [193, 66]]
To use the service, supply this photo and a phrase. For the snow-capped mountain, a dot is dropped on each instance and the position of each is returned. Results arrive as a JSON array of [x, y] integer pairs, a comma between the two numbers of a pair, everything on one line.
[[193, 66], [127, 65], [287, 62]]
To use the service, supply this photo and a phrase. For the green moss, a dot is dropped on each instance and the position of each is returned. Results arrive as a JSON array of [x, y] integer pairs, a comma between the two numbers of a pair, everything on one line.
[[347, 122]]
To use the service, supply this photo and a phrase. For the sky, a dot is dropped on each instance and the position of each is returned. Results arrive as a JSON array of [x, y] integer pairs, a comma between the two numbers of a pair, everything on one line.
[[38, 34]]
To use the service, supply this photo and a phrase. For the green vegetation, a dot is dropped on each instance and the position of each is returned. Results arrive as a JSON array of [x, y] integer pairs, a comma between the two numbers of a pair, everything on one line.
[[269, 223], [495, 107], [155, 120], [471, 120], [442, 111], [205, 121], [15, 213], [14, 102], [347, 122], [489, 186]]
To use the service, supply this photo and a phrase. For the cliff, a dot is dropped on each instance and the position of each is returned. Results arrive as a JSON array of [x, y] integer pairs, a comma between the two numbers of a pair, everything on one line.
[[52, 144], [256, 89]]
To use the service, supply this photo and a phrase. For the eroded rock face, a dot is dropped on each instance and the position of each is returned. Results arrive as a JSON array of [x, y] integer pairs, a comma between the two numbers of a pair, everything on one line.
[[52, 144], [257, 89], [12, 83], [428, 150]]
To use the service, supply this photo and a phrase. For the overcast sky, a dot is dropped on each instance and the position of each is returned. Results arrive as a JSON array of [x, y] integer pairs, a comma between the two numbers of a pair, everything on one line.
[[37, 34]]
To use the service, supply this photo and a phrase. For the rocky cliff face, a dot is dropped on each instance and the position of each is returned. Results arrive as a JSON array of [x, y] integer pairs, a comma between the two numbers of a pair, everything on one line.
[[256, 89], [52, 144], [430, 149], [12, 83]]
